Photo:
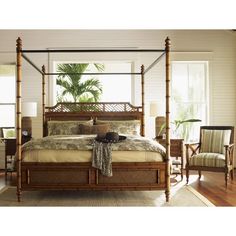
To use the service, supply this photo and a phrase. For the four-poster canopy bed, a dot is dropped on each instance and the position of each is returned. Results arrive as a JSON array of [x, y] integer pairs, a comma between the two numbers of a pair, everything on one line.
[[127, 175]]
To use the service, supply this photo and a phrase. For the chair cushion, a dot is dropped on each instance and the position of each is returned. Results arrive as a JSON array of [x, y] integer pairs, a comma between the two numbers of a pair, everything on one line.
[[208, 159], [214, 140]]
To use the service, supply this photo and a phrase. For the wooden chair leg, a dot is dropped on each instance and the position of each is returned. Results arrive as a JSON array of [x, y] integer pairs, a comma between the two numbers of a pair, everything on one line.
[[226, 179], [5, 168], [232, 174], [167, 193], [187, 175], [19, 195], [199, 174], [5, 176]]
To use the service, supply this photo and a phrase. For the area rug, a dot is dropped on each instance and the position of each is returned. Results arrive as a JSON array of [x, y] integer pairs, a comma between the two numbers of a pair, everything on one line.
[[180, 196]]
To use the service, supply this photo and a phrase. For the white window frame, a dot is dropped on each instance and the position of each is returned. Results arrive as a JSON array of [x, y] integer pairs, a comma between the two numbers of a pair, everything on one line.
[[206, 69], [52, 81], [10, 103]]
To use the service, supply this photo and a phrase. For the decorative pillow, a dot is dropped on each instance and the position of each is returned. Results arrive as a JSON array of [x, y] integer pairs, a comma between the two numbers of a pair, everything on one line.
[[214, 140], [94, 129], [9, 133], [65, 127], [129, 127]]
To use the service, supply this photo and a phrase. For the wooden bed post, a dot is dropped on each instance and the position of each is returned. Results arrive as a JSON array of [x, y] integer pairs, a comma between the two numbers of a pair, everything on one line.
[[167, 49], [18, 114], [143, 105], [43, 98]]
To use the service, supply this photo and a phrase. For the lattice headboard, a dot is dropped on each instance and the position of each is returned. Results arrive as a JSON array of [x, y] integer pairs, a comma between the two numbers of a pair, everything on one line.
[[94, 110]]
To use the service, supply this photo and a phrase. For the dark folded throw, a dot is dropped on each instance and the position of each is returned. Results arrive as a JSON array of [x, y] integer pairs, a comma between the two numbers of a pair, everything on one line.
[[102, 157]]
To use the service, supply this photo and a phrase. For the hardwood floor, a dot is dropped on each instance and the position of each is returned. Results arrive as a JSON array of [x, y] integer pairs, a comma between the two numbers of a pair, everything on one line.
[[211, 186]]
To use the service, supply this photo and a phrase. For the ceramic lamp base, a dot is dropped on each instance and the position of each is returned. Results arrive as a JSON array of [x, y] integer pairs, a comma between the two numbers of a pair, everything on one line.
[[160, 120], [26, 126]]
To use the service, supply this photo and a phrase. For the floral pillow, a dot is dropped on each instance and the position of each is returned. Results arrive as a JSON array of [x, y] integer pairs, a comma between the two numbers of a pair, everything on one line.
[[129, 127], [65, 127]]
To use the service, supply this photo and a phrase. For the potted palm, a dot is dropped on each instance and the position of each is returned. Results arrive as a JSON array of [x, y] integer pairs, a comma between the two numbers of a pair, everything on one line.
[[180, 128]]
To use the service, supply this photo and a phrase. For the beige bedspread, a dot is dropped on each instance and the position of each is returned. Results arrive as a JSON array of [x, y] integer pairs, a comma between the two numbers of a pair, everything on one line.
[[86, 156], [78, 148]]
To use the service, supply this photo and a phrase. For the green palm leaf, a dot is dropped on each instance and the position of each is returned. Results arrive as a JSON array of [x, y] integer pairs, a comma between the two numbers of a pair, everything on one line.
[[71, 83], [100, 67]]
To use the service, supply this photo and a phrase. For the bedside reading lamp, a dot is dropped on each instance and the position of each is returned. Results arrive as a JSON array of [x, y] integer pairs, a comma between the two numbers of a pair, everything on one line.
[[29, 109], [157, 112]]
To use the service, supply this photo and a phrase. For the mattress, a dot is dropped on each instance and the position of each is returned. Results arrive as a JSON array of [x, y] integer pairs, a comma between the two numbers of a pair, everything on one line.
[[86, 156]]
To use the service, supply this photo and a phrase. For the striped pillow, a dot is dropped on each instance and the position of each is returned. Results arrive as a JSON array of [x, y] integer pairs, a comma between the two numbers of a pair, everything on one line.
[[214, 140]]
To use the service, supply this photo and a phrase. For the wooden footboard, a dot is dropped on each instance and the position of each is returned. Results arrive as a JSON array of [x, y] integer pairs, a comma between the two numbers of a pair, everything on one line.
[[81, 176]]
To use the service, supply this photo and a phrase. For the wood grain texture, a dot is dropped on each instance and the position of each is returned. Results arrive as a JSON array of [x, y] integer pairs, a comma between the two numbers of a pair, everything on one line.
[[43, 95], [167, 49], [210, 186], [126, 176], [176, 150], [143, 102], [18, 113], [91, 110]]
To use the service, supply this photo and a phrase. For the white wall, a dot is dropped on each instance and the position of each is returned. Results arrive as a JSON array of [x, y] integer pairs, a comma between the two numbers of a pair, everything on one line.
[[216, 46]]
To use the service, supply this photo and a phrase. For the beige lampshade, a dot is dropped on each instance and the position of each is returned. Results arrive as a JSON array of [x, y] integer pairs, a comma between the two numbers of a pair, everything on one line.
[[29, 109], [153, 109]]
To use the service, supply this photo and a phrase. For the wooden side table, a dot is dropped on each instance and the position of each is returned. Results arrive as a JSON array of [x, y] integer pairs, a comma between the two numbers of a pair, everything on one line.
[[10, 151], [177, 154]]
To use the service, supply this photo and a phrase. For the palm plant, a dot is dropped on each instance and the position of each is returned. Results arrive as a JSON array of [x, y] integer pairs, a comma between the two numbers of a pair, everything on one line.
[[70, 80], [184, 133]]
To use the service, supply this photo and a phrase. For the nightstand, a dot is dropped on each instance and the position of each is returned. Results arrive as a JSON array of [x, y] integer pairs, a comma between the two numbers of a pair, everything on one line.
[[10, 151], [177, 155]]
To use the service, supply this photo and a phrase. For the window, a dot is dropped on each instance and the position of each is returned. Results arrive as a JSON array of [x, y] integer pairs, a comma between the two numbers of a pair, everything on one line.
[[114, 88], [7, 96], [189, 97]]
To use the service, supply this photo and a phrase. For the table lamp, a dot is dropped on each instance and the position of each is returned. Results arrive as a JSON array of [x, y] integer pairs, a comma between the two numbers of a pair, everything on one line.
[[29, 109], [156, 110]]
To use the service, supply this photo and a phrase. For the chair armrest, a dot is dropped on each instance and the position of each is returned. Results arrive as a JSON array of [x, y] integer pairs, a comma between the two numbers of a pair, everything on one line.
[[229, 157], [229, 145], [191, 149], [191, 144]]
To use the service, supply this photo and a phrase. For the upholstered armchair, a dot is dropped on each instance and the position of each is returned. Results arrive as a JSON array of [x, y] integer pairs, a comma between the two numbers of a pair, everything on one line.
[[214, 152]]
